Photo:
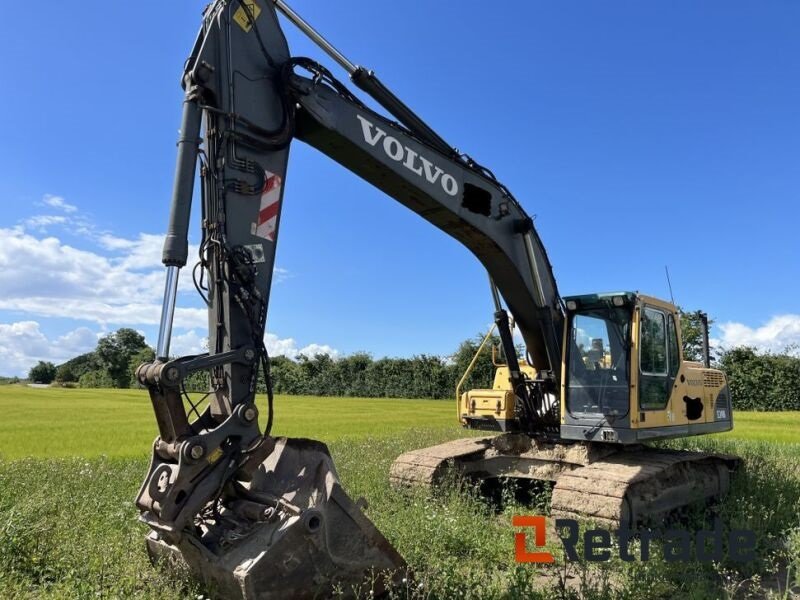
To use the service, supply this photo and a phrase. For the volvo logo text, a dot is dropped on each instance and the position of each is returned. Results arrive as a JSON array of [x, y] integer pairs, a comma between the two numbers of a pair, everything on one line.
[[411, 160]]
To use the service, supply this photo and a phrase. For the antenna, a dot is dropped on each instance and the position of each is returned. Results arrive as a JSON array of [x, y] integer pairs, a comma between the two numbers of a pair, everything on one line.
[[669, 283]]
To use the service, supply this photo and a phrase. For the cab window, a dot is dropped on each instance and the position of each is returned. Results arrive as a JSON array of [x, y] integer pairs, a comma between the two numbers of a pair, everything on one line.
[[654, 343], [674, 355], [654, 384], [597, 376]]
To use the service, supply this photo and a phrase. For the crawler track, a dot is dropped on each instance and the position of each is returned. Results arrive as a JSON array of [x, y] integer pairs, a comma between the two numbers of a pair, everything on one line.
[[609, 485]]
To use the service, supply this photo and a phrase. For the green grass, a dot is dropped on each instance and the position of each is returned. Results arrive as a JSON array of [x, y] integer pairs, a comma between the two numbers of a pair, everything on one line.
[[61, 422], [68, 526], [782, 427]]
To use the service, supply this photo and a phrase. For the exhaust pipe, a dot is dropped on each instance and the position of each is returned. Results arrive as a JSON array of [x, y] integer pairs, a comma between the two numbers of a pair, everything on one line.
[[706, 347]]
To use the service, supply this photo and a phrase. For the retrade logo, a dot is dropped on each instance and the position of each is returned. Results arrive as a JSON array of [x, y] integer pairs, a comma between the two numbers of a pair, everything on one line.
[[521, 553], [676, 544]]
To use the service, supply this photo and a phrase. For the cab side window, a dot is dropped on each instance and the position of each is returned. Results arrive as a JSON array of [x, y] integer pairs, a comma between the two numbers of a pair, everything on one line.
[[653, 360], [674, 355], [654, 342]]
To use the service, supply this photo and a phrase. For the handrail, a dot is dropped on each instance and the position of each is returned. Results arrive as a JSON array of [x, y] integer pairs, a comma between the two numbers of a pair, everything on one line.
[[471, 367]]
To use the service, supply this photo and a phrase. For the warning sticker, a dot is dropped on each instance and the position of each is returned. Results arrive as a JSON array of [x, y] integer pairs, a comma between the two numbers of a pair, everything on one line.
[[267, 220], [246, 15]]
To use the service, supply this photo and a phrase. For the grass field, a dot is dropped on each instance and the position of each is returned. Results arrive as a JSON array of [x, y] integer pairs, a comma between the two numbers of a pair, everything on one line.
[[72, 461], [61, 422]]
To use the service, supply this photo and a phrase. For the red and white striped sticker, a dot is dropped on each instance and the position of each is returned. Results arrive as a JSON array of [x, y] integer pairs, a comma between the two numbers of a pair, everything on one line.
[[267, 221]]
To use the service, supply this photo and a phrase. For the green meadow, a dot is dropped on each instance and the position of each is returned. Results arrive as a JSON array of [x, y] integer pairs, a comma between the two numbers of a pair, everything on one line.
[[62, 422], [71, 462]]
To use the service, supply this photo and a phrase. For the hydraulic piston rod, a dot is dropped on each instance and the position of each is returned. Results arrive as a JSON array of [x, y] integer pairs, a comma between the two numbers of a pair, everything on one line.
[[176, 243], [167, 313], [315, 36], [366, 80]]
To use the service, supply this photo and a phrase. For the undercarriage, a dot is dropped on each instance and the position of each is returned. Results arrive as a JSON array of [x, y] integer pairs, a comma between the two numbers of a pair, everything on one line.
[[611, 485]]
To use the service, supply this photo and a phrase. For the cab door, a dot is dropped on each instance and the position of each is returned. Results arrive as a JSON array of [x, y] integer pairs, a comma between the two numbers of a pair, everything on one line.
[[677, 409], [656, 371]]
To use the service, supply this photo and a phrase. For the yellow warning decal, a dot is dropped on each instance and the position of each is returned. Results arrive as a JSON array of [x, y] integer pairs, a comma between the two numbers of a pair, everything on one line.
[[215, 456], [246, 15]]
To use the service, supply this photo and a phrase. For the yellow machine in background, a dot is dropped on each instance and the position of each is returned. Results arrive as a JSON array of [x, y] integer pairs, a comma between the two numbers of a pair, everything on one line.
[[497, 403]]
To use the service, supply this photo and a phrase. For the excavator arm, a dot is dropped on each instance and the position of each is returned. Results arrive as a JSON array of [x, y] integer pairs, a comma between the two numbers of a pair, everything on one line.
[[458, 197], [220, 490]]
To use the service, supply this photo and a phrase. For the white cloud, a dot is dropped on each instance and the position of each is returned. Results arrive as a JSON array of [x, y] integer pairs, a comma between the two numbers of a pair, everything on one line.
[[189, 343], [144, 252], [22, 345], [313, 349], [279, 274], [70, 220], [42, 222], [192, 342], [776, 335], [46, 277], [288, 347], [280, 347], [78, 341], [59, 203], [120, 283]]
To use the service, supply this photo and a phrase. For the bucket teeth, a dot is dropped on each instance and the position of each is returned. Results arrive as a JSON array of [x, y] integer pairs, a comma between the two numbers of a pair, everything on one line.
[[288, 531]]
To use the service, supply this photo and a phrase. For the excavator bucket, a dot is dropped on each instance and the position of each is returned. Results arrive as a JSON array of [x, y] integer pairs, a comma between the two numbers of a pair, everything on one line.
[[287, 530]]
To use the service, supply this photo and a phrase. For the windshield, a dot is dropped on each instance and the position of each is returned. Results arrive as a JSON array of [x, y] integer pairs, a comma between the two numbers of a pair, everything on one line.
[[597, 371]]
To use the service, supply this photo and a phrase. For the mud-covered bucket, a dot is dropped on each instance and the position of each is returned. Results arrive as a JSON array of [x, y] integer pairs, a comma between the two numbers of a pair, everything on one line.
[[285, 529]]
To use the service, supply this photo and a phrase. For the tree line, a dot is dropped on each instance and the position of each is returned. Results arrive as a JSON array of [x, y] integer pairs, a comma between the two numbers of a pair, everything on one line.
[[110, 365], [113, 362], [758, 380], [762, 381]]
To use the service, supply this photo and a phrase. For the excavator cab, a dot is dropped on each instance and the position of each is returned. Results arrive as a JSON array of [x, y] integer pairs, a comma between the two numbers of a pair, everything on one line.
[[623, 378]]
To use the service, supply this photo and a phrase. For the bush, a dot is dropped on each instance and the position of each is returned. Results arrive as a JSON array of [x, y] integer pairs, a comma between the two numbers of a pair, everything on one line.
[[199, 381], [65, 384], [762, 381], [116, 351], [65, 374], [359, 375], [43, 372], [96, 379], [79, 365]]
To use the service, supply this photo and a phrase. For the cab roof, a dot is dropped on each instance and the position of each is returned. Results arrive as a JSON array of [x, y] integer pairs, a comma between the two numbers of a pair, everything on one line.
[[604, 298], [588, 299]]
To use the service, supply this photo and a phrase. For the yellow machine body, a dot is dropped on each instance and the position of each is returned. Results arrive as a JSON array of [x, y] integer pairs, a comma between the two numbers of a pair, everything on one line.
[[624, 388], [497, 403]]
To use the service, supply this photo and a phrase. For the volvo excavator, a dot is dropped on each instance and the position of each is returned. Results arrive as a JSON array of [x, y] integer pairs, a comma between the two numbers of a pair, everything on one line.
[[259, 516]]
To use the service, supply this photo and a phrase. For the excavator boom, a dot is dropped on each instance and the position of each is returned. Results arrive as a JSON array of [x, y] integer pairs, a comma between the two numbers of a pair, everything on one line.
[[218, 486]]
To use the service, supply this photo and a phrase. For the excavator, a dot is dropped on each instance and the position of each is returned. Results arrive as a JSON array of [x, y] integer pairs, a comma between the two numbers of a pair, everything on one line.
[[259, 516]]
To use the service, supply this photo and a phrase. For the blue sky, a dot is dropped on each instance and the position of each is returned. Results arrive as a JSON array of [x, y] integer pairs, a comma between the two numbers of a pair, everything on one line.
[[640, 134]]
